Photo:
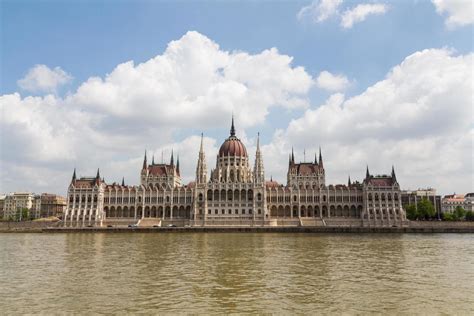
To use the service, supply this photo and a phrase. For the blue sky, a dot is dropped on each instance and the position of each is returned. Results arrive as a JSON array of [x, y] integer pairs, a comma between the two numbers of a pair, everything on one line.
[[90, 38]]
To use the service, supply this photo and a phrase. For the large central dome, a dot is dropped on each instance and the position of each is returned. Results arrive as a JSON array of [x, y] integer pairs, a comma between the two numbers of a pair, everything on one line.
[[232, 145]]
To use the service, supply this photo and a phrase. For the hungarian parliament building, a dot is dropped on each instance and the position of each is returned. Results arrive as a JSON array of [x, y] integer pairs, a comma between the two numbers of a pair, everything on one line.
[[234, 194]]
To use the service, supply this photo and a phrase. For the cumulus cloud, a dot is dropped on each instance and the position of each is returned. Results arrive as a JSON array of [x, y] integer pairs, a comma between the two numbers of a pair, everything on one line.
[[193, 85], [360, 12], [419, 118], [41, 78], [332, 82], [319, 10], [458, 12]]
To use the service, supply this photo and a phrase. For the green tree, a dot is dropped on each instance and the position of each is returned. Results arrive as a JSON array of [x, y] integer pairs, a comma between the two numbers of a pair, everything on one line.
[[411, 211], [448, 217], [459, 213], [425, 209], [469, 216]]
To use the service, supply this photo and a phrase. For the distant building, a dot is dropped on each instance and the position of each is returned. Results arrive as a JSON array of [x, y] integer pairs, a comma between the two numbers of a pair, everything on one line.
[[35, 206], [235, 194], [412, 197], [38, 206], [52, 205], [17, 201], [469, 202], [451, 201], [2, 205]]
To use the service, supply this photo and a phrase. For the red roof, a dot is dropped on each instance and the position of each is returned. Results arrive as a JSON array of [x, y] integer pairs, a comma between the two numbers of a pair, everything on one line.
[[233, 147], [160, 170], [305, 168], [272, 184], [380, 181]]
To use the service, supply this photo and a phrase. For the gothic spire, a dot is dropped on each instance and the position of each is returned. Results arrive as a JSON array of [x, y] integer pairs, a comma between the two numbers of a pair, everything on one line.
[[259, 175], [177, 164], [202, 145], [123, 181], [292, 155], [315, 159], [349, 181], [258, 141], [144, 161], [74, 175], [394, 177], [98, 174], [153, 159], [320, 158], [232, 128], [172, 158], [367, 174]]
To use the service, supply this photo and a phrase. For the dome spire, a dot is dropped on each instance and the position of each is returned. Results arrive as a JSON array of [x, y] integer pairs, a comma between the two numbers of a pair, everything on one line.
[[232, 128]]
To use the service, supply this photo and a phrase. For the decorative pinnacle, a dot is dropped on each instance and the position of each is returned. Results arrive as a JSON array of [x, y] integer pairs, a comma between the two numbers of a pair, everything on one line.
[[232, 128]]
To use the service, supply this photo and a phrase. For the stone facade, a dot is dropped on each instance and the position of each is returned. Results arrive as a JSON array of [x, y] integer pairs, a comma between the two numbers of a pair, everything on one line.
[[235, 194]]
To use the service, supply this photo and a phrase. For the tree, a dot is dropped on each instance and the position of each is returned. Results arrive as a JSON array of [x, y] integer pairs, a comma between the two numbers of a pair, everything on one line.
[[448, 217], [411, 211], [425, 209], [469, 216], [22, 214], [459, 213]]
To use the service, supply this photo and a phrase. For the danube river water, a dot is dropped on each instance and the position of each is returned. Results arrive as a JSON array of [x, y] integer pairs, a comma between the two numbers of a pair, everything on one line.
[[215, 273]]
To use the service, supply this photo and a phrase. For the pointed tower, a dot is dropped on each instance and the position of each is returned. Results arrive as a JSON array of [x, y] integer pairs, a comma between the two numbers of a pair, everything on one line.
[[258, 171], [153, 159], [315, 159], [292, 156], [232, 128], [394, 177], [98, 174], [367, 174], [320, 159], [201, 168], [74, 175], [144, 162], [177, 164], [349, 182], [172, 158], [123, 181]]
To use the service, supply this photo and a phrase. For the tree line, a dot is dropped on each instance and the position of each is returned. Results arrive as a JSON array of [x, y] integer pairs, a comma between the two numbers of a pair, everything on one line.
[[424, 210]]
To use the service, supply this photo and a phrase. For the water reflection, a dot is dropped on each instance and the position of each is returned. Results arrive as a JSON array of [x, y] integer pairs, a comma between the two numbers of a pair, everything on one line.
[[242, 273]]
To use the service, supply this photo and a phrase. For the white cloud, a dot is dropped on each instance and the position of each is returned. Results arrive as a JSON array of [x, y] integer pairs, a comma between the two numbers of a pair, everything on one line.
[[360, 12], [319, 11], [41, 78], [332, 82], [108, 121], [419, 118], [459, 12]]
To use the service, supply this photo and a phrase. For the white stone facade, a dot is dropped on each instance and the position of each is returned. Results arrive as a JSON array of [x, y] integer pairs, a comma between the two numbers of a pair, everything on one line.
[[235, 194]]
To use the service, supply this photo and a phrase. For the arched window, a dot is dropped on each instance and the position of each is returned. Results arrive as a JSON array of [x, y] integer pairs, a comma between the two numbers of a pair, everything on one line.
[[95, 197], [200, 196], [259, 196]]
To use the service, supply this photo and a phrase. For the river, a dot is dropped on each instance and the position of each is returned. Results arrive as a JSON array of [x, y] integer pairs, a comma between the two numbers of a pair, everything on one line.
[[215, 273]]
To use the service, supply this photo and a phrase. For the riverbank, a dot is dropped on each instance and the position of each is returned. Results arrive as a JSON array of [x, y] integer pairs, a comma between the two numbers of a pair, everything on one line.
[[412, 227]]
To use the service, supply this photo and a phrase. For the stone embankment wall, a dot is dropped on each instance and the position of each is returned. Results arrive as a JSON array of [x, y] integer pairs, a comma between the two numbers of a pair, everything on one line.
[[412, 227], [27, 226]]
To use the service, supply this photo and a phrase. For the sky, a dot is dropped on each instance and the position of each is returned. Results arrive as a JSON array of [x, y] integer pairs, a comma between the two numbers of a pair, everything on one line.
[[93, 84]]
